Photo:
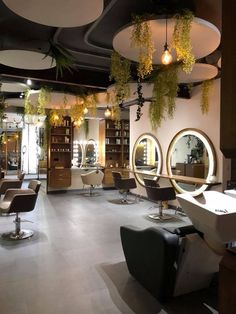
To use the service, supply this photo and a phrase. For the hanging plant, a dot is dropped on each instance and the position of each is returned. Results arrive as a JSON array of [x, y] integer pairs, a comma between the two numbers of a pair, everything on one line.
[[77, 110], [114, 100], [140, 101], [90, 102], [205, 87], [43, 99], [120, 72], [2, 108], [141, 38], [181, 40], [63, 58], [165, 88], [56, 117], [115, 113]]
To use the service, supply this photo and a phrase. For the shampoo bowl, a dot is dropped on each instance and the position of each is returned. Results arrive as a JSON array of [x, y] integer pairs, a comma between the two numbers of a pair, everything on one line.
[[214, 215]]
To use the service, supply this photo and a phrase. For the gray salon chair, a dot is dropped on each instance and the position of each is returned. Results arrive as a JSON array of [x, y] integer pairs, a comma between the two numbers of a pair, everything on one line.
[[93, 178], [124, 185], [6, 184], [169, 262], [17, 201], [160, 195]]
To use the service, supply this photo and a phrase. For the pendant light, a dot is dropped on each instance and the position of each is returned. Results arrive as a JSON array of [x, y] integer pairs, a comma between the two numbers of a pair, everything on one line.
[[107, 112], [166, 57]]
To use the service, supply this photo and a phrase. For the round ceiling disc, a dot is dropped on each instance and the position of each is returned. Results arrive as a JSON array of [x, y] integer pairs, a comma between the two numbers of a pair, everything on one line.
[[24, 59], [57, 13], [205, 38], [201, 72]]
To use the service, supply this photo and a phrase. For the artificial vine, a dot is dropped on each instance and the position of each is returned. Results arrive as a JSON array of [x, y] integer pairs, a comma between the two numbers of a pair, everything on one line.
[[120, 72], [43, 99], [181, 40], [141, 38], [56, 117], [164, 94], [205, 87], [77, 110], [140, 101], [90, 102]]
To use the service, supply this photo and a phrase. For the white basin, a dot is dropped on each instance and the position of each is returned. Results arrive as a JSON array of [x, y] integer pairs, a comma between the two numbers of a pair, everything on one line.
[[214, 215], [230, 193]]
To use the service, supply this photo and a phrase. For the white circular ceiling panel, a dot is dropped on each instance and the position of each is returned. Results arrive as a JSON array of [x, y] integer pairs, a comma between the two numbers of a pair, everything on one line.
[[13, 87], [201, 72], [57, 13], [205, 38], [24, 59]]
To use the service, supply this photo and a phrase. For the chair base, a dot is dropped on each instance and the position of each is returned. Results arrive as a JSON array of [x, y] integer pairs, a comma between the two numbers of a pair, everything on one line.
[[13, 236], [160, 217]]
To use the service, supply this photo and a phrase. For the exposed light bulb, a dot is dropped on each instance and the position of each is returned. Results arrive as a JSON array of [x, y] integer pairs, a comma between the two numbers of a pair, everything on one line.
[[29, 82], [85, 110], [166, 57], [107, 112]]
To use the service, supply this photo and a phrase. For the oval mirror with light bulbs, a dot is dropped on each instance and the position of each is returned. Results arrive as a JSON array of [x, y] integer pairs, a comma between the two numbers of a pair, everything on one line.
[[91, 153], [191, 154], [146, 157]]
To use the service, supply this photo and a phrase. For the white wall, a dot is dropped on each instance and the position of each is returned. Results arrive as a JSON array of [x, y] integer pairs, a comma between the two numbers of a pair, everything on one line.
[[187, 115]]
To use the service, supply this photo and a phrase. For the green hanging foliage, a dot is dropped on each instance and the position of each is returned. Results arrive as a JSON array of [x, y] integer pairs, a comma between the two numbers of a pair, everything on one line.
[[43, 99], [141, 38], [120, 72], [63, 58], [164, 94], [181, 40], [90, 102], [205, 87], [29, 108]]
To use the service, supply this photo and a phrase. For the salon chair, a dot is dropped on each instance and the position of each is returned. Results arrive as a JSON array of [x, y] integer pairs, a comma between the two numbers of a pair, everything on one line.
[[93, 178], [123, 185], [169, 262], [17, 201], [160, 195], [6, 184], [150, 182]]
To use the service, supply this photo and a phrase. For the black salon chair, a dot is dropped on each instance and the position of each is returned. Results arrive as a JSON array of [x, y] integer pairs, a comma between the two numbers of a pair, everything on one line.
[[124, 185], [150, 182], [17, 201], [169, 262], [160, 195]]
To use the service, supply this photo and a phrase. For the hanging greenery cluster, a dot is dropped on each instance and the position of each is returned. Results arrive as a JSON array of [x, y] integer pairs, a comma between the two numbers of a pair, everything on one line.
[[77, 111], [140, 101], [56, 117], [165, 88], [2, 108], [205, 87], [181, 40], [43, 99], [63, 58], [120, 72], [141, 38], [115, 104], [90, 102]]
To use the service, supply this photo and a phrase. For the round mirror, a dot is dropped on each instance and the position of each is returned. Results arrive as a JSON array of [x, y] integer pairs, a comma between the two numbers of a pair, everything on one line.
[[77, 154], [191, 154], [146, 157], [91, 153]]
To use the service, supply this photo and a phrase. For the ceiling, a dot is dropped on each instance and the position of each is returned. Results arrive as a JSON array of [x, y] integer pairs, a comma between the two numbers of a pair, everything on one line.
[[90, 44]]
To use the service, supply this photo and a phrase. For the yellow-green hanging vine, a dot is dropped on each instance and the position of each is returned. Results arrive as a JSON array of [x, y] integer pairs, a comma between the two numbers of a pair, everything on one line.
[[205, 87]]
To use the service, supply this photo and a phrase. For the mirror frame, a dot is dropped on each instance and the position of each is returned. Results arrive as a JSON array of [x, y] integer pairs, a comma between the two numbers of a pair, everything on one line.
[[82, 151], [159, 151], [211, 155]]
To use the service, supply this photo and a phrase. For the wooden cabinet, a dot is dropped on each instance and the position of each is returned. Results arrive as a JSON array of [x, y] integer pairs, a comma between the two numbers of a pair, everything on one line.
[[60, 155], [114, 148], [190, 170]]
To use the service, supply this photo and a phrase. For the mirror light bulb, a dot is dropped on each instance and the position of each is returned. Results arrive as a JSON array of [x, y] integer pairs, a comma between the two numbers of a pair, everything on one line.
[[107, 113]]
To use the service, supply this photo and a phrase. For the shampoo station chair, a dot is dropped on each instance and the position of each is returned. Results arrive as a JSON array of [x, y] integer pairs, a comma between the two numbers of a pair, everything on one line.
[[6, 184], [93, 178], [168, 263], [159, 195], [17, 201], [123, 185]]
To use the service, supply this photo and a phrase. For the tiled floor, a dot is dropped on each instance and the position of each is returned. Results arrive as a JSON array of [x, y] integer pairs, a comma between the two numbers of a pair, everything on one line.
[[74, 264]]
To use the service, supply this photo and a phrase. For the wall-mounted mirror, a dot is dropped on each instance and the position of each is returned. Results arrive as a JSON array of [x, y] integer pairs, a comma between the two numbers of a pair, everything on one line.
[[146, 157], [91, 153], [191, 154]]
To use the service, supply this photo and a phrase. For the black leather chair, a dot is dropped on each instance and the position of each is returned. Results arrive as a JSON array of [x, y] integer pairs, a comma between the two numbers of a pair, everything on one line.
[[168, 262], [160, 195], [17, 201], [150, 182], [123, 185]]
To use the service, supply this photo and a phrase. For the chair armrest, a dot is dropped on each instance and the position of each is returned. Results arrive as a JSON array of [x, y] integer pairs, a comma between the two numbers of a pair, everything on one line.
[[10, 193]]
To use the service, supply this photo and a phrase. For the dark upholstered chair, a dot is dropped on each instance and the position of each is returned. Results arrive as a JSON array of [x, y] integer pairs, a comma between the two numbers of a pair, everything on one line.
[[17, 201], [6, 184], [150, 182], [160, 195], [164, 262], [123, 185]]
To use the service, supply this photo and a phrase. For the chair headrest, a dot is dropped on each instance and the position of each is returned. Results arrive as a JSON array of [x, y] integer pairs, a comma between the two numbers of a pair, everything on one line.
[[34, 185]]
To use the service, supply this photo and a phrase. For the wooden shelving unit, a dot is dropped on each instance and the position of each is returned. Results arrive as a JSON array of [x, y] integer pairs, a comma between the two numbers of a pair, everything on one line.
[[114, 148], [60, 155]]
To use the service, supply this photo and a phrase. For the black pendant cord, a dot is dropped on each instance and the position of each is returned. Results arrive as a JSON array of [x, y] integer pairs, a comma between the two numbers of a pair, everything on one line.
[[140, 100]]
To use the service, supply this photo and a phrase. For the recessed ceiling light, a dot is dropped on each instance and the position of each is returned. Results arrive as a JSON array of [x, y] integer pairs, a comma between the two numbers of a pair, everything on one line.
[[29, 82]]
